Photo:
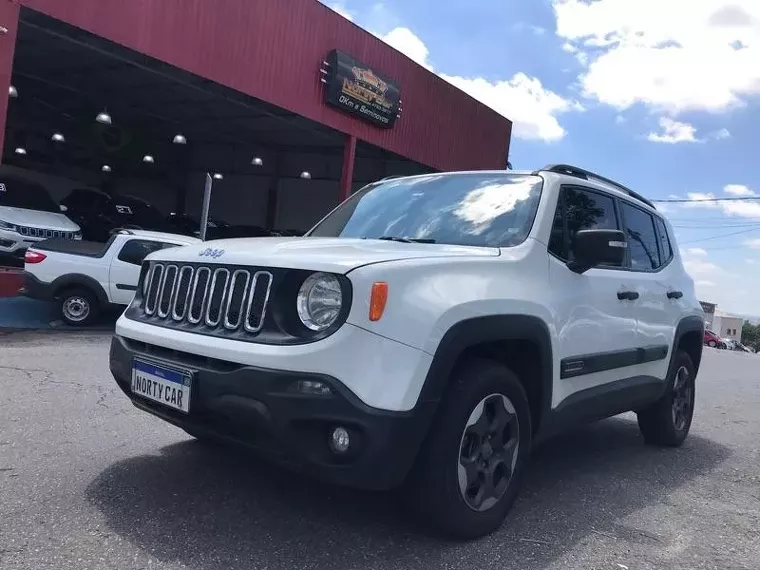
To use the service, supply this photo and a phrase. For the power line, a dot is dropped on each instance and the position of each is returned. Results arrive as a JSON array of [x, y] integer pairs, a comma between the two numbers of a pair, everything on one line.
[[721, 236], [706, 200]]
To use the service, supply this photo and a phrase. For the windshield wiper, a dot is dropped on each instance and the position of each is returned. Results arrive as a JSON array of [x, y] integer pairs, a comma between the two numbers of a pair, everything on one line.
[[406, 239]]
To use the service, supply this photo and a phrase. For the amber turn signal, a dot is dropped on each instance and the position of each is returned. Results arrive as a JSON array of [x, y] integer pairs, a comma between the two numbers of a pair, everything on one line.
[[377, 300]]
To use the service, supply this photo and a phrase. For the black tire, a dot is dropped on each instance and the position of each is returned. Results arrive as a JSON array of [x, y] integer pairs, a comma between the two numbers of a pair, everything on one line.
[[667, 421], [433, 487], [78, 307]]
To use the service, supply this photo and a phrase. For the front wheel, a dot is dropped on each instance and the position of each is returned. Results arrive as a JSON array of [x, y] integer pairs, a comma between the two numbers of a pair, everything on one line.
[[712, 344], [667, 421], [78, 307], [470, 469]]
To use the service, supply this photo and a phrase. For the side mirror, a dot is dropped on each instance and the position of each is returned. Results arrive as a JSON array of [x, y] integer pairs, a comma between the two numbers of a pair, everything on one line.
[[592, 248], [63, 208]]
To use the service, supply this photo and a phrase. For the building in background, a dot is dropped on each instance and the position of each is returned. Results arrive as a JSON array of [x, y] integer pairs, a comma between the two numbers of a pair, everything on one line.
[[709, 309], [727, 326], [292, 106]]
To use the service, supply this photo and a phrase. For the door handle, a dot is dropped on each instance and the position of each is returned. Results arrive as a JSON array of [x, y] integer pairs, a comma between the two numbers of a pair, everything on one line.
[[675, 294], [627, 295]]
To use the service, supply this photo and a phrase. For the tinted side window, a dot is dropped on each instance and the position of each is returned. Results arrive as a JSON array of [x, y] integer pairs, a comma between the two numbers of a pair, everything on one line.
[[136, 250], [666, 249], [642, 239], [586, 210]]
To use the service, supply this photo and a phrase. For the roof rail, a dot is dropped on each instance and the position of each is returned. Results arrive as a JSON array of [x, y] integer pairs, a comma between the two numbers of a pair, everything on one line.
[[588, 175]]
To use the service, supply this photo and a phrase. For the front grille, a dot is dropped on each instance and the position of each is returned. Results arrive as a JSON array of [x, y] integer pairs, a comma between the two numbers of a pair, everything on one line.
[[214, 299], [43, 233]]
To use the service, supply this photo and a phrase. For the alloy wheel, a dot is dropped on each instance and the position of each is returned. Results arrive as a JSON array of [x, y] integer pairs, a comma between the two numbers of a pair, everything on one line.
[[488, 452], [682, 398]]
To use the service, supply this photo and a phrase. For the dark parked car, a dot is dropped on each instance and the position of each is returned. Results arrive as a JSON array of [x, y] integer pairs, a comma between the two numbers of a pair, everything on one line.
[[99, 214]]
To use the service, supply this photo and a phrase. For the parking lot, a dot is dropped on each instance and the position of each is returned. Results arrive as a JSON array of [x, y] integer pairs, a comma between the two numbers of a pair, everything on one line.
[[87, 481]]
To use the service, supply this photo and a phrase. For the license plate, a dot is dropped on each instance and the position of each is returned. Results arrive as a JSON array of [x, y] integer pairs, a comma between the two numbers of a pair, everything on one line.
[[167, 386]]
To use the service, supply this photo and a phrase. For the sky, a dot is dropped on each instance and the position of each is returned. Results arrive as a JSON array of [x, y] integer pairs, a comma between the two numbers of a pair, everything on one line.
[[660, 95]]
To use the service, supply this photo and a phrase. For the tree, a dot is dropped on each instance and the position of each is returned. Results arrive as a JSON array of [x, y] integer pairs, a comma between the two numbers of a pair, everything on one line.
[[751, 336]]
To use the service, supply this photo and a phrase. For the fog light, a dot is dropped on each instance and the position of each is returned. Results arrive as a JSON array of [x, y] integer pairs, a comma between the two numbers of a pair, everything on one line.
[[340, 440], [311, 387]]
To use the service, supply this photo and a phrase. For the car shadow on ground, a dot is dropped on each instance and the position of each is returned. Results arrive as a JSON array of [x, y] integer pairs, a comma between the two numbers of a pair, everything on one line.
[[215, 508]]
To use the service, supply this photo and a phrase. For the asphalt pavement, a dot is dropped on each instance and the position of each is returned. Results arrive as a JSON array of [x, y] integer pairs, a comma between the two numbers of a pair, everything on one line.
[[89, 482]]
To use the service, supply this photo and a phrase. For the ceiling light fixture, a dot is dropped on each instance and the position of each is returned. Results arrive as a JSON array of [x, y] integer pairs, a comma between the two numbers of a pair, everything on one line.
[[306, 175], [12, 91], [218, 176], [103, 117], [58, 137], [179, 139], [106, 168], [257, 161], [149, 159], [20, 150]]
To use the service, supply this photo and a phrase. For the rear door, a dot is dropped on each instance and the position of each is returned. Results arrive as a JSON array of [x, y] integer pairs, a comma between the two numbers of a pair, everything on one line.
[[595, 320], [125, 267], [661, 303]]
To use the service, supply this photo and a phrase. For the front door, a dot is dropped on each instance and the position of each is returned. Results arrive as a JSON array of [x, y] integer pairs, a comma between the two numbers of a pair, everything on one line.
[[595, 313]]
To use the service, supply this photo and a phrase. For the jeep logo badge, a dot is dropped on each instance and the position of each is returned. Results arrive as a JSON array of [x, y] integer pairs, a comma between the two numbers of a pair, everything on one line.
[[214, 253]]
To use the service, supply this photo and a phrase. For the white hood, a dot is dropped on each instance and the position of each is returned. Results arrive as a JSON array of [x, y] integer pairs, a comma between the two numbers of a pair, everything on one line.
[[37, 219], [337, 255]]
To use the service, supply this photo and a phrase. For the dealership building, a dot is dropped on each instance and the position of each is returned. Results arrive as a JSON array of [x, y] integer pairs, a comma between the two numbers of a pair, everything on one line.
[[289, 104]]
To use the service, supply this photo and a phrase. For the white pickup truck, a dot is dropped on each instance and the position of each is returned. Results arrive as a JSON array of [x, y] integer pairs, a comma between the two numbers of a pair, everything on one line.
[[85, 277]]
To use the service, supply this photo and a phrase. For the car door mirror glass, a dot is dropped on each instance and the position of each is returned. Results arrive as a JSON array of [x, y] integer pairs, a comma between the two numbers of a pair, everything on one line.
[[593, 248]]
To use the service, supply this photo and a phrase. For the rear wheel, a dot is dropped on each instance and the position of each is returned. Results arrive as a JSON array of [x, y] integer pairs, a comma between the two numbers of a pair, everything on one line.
[[712, 344], [668, 421], [78, 307], [470, 469]]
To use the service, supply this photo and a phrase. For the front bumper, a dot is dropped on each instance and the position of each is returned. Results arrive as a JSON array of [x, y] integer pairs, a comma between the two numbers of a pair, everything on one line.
[[254, 407]]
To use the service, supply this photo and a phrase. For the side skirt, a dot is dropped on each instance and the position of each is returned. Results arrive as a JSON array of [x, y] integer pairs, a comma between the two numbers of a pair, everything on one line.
[[600, 402]]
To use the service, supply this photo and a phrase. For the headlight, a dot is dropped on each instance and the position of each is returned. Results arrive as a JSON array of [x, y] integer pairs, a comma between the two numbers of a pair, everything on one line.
[[319, 301], [7, 226], [77, 235]]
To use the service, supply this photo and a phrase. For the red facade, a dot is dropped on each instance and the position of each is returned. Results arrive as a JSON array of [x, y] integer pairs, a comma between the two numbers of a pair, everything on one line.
[[272, 50]]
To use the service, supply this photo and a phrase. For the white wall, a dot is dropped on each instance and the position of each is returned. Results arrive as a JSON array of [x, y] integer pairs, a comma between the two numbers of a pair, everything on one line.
[[725, 326]]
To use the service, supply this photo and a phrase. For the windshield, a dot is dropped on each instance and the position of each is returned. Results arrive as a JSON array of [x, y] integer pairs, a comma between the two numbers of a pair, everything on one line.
[[476, 209], [28, 195]]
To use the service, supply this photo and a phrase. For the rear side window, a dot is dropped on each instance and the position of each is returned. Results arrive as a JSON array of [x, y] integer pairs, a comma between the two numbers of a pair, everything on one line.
[[136, 250], [666, 249], [579, 209], [642, 239]]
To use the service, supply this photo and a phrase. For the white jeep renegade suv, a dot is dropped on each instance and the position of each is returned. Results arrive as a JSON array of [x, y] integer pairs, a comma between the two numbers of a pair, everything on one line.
[[425, 334]]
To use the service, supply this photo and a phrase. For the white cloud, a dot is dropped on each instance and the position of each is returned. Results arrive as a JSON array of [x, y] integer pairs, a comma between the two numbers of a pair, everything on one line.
[[674, 132], [753, 243], [673, 56], [405, 41], [340, 8], [532, 108], [740, 208], [739, 190], [524, 100], [720, 135], [695, 251], [619, 119]]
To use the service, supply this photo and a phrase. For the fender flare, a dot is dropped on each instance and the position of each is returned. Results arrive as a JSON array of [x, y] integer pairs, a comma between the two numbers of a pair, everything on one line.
[[471, 332], [77, 279], [690, 324]]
